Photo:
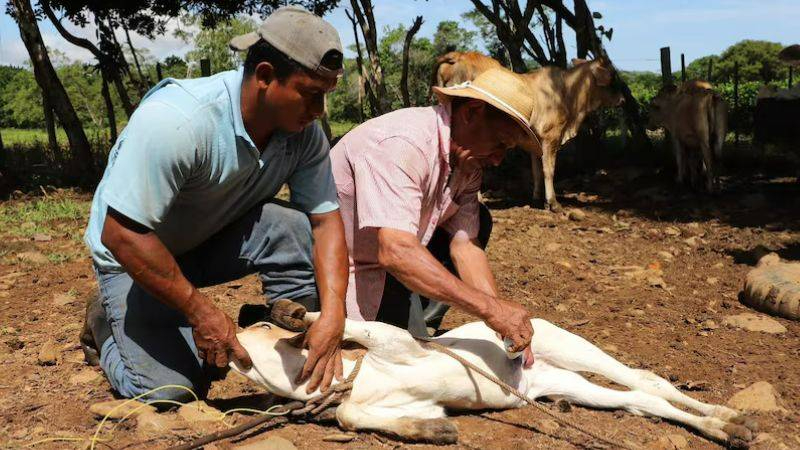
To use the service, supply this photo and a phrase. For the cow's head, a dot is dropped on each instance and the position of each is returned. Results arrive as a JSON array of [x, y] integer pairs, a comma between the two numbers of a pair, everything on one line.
[[659, 106], [605, 90]]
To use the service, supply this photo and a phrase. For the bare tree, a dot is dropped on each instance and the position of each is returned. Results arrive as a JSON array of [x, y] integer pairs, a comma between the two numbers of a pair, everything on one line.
[[51, 86], [112, 118], [406, 49], [364, 16], [362, 71]]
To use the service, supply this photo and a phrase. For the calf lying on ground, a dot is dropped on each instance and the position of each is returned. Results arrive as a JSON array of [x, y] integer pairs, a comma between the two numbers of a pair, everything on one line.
[[403, 388]]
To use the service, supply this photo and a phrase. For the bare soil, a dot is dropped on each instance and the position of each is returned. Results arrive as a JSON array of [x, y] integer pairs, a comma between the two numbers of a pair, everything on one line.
[[605, 276]]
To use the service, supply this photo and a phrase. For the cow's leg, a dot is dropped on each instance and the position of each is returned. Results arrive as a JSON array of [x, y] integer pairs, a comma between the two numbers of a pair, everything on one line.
[[387, 342], [555, 382], [563, 349], [549, 168], [680, 160], [537, 176], [705, 148], [440, 430]]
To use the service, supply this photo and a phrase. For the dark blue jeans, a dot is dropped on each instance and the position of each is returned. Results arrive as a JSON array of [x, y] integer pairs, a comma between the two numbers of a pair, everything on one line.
[[151, 344]]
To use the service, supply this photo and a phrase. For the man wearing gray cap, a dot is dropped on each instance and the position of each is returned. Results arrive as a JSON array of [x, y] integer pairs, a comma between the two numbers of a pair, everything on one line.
[[186, 201]]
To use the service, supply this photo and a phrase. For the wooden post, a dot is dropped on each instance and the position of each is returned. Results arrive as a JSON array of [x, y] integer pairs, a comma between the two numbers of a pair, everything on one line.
[[666, 66], [736, 100], [683, 69], [205, 67], [159, 74], [710, 70]]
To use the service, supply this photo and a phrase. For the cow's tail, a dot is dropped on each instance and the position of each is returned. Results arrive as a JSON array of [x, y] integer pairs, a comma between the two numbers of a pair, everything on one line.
[[436, 79]]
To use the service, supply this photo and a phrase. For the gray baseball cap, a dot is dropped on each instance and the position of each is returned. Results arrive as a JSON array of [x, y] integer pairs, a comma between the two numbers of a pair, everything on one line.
[[299, 34]]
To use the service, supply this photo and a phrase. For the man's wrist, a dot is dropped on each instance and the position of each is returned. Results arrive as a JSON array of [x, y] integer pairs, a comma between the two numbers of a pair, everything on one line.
[[197, 308]]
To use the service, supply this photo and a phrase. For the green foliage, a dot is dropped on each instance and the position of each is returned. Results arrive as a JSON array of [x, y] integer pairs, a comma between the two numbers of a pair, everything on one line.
[[758, 62], [488, 34], [450, 36], [212, 43], [644, 85]]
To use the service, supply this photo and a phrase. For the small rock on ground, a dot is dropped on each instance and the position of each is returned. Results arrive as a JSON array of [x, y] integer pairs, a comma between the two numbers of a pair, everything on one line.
[[117, 409], [576, 215], [84, 376], [270, 443], [669, 442], [150, 424], [339, 437], [754, 322], [759, 396], [48, 354]]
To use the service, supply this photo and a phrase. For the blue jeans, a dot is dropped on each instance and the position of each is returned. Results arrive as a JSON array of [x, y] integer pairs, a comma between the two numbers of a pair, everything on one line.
[[151, 344]]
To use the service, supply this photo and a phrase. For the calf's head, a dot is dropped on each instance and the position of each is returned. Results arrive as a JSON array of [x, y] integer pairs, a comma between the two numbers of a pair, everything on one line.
[[604, 87], [660, 106]]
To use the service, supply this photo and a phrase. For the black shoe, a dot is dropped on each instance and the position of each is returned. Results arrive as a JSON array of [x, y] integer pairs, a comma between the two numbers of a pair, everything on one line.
[[96, 330]]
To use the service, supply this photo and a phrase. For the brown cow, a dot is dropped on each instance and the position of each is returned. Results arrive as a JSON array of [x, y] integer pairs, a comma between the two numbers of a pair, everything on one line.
[[563, 97], [697, 120]]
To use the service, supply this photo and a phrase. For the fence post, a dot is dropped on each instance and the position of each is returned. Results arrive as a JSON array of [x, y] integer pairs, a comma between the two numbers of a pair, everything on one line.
[[666, 66], [710, 70], [159, 74], [683, 69], [736, 100], [205, 67]]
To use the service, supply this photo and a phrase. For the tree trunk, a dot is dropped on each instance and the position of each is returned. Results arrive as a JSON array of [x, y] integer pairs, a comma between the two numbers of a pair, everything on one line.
[[112, 119], [144, 81], [363, 78], [365, 17], [50, 125], [406, 49], [49, 83]]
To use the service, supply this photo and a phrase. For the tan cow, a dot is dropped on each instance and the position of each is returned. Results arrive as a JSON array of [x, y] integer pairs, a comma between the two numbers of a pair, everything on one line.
[[697, 120], [563, 97]]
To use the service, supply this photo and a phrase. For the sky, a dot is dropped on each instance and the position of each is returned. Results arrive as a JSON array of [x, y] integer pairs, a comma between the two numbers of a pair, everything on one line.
[[693, 27]]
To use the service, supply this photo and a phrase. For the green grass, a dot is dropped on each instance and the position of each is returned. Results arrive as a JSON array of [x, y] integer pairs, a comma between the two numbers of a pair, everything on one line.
[[29, 137], [341, 128], [26, 218]]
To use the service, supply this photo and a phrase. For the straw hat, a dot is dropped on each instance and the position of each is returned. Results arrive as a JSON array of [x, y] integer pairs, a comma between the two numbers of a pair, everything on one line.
[[501, 88]]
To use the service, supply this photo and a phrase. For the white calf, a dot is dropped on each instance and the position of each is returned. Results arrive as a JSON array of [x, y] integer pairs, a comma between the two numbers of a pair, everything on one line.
[[403, 388]]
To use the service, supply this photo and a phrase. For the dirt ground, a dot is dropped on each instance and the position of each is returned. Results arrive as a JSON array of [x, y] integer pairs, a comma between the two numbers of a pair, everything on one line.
[[619, 275]]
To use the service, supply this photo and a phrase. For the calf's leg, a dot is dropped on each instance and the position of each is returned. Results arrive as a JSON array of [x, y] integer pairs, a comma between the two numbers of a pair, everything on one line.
[[537, 177], [552, 381], [563, 349]]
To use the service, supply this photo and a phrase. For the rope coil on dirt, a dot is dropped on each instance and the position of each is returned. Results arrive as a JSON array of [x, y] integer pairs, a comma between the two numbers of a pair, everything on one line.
[[505, 386], [311, 407]]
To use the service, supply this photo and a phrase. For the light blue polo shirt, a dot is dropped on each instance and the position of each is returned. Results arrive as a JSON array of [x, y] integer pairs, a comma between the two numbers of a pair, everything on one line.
[[185, 167]]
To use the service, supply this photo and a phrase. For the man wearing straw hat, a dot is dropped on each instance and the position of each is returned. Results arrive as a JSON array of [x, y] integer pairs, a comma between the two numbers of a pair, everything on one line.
[[408, 185]]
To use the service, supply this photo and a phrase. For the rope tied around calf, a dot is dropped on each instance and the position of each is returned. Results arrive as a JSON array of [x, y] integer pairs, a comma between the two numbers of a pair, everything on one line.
[[310, 408]]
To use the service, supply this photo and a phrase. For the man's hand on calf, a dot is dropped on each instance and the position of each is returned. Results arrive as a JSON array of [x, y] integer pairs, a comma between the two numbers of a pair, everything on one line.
[[513, 322], [323, 340], [215, 337]]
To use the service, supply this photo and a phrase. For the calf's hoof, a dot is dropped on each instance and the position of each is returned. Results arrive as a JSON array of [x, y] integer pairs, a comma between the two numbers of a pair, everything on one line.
[[288, 314], [739, 436], [435, 431], [553, 206]]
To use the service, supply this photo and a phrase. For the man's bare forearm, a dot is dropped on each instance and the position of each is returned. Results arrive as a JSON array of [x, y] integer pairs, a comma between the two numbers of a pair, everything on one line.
[[414, 266], [151, 265], [330, 262], [473, 265]]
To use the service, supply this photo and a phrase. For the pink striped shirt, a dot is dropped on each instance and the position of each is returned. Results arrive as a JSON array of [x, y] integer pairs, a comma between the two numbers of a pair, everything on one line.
[[394, 171]]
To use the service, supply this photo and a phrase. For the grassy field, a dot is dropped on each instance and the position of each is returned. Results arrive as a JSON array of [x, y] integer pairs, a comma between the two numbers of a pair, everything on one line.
[[26, 137]]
